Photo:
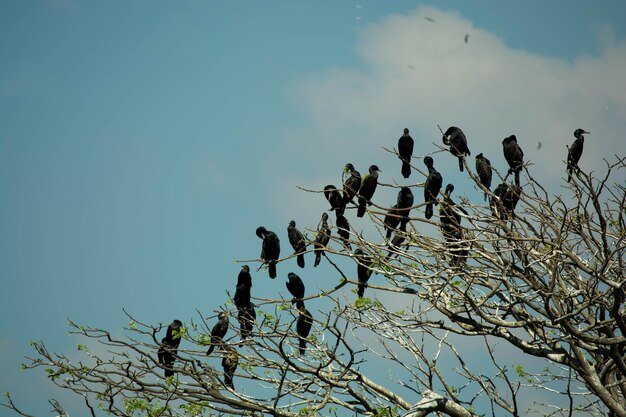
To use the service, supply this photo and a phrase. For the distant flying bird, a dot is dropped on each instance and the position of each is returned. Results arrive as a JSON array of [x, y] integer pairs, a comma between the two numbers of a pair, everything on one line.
[[432, 186], [483, 168], [270, 249], [169, 347], [297, 241], [405, 152], [466, 38], [455, 138], [514, 156], [218, 332], [322, 239], [368, 187], [575, 152], [430, 19], [538, 145]]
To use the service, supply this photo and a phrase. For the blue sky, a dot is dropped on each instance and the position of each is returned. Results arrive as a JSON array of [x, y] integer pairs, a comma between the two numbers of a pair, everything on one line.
[[141, 143]]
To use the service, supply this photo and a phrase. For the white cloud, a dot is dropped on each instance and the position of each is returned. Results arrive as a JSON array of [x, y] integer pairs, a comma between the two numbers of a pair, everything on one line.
[[418, 74]]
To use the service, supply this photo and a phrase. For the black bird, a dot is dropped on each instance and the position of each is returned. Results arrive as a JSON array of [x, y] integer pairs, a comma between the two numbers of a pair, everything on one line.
[[368, 186], [270, 249], [322, 239], [218, 332], [432, 186], [230, 360], [169, 347], [405, 152], [457, 248], [363, 270], [509, 202], [399, 213], [513, 155], [343, 230], [246, 318], [398, 239], [483, 168], [495, 204], [575, 152], [297, 241], [335, 199], [295, 287], [392, 220], [242, 296], [244, 277], [449, 213], [351, 184], [303, 327], [455, 138]]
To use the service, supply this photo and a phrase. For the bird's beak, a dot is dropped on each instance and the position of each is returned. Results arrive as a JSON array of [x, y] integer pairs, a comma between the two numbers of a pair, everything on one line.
[[587, 132]]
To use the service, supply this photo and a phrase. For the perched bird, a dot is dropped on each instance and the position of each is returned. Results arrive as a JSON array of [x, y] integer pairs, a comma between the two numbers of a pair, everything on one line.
[[575, 152], [432, 186], [449, 217], [246, 317], [351, 184], [295, 287], [270, 249], [303, 327], [513, 155], [457, 248], [483, 168], [297, 241], [169, 347], [242, 295], [392, 220], [219, 331], [322, 239], [455, 138], [244, 277], [230, 360], [335, 199], [368, 186], [394, 245], [343, 230], [510, 200], [363, 270], [496, 200], [405, 152], [398, 214]]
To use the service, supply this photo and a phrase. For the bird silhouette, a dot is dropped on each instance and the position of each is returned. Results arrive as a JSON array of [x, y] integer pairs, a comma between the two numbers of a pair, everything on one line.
[[368, 187], [297, 241], [432, 186], [455, 138], [270, 249], [322, 239], [483, 168], [514, 156], [405, 152], [575, 152], [218, 332]]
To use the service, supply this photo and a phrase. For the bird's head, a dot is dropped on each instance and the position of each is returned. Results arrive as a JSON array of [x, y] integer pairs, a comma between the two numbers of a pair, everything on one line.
[[291, 276], [406, 131], [579, 132], [509, 139], [479, 156], [245, 268], [428, 161], [261, 231], [223, 316], [374, 168], [449, 189], [292, 223], [325, 216], [348, 168]]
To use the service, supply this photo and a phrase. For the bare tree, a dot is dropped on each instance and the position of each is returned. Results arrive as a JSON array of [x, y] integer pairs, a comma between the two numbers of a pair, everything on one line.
[[535, 287]]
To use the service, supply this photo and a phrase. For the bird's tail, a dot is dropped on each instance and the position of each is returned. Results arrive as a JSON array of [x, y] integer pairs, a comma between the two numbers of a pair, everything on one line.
[[302, 345], [429, 210], [461, 163], [208, 352], [169, 373], [361, 210], [517, 178], [301, 260], [272, 269], [361, 290], [406, 169], [569, 173], [318, 257], [389, 232], [228, 381], [485, 196]]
